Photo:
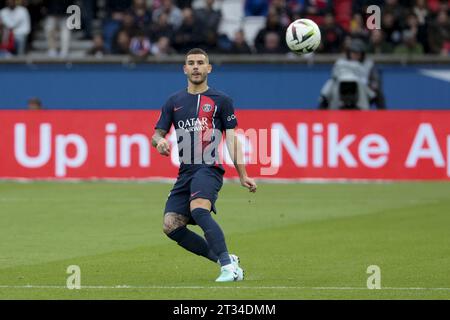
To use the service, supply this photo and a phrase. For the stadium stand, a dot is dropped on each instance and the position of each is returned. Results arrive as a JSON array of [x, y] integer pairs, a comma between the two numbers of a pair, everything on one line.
[[251, 26], [423, 22]]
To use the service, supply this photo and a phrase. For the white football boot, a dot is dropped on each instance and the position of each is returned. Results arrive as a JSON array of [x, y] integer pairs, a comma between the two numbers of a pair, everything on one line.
[[232, 271], [228, 273], [235, 261]]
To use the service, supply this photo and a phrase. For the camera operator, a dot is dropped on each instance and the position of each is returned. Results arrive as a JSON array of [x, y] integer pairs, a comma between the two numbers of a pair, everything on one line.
[[355, 82]]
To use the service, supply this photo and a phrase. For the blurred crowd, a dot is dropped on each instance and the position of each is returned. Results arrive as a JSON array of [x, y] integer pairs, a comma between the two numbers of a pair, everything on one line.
[[163, 27]]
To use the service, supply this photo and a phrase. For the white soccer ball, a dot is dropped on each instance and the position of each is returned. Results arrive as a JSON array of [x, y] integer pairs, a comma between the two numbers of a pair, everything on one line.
[[303, 36]]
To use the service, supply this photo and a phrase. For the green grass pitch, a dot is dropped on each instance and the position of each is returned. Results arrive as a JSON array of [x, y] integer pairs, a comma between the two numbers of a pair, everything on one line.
[[296, 241]]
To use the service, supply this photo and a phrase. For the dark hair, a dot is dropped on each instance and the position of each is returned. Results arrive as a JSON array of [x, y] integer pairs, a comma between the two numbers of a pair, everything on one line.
[[34, 103], [359, 46], [197, 51]]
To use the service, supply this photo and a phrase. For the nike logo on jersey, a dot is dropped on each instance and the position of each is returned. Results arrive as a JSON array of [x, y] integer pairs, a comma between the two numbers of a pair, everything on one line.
[[177, 108]]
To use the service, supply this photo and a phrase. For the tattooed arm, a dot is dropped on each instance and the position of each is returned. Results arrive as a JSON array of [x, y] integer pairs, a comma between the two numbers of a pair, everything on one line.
[[160, 143]]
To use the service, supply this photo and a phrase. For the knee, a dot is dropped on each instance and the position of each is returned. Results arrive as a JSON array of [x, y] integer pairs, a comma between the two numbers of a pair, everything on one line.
[[173, 222], [167, 228], [200, 203]]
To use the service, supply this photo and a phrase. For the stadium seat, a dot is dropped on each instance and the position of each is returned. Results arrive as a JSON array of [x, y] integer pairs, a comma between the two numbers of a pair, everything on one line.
[[232, 9], [251, 26], [343, 9], [229, 28], [232, 15], [199, 4]]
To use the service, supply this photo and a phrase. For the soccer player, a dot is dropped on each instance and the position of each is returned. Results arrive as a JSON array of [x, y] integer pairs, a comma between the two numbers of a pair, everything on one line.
[[200, 115]]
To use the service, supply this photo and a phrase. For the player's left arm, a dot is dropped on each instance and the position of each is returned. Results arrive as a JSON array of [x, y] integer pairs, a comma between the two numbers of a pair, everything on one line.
[[236, 154], [229, 122]]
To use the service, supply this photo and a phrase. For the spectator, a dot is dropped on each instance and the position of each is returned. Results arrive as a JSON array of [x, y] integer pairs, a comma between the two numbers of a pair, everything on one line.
[[34, 104], [114, 20], [161, 29], [141, 14], [179, 3], [208, 20], [98, 50], [239, 45], [140, 46], [88, 8], [211, 43], [17, 19], [56, 19], [156, 4], [208, 17], [439, 34], [162, 47], [332, 35], [6, 41], [273, 24], [409, 46], [282, 10], [444, 6], [421, 11], [256, 7], [121, 44], [317, 7], [296, 7], [391, 28], [412, 24], [393, 7], [116, 8], [184, 4], [129, 24], [189, 34], [175, 17], [358, 28], [272, 44], [378, 44]]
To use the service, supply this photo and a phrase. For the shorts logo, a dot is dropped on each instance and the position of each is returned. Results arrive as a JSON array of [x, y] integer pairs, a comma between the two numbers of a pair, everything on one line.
[[207, 107], [232, 117], [194, 194]]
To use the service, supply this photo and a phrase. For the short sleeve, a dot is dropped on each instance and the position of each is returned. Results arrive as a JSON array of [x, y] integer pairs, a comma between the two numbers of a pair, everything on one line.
[[227, 116], [165, 118]]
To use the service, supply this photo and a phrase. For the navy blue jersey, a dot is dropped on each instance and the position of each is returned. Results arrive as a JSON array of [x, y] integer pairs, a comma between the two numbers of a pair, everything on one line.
[[199, 121]]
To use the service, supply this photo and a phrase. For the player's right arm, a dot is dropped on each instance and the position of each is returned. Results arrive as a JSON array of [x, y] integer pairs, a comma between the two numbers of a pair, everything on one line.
[[160, 143], [162, 127], [229, 123]]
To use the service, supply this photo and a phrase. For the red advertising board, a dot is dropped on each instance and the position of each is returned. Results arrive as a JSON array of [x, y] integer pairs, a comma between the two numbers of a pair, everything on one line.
[[278, 144]]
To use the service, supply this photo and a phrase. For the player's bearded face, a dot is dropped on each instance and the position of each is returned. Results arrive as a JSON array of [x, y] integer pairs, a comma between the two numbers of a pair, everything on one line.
[[197, 68]]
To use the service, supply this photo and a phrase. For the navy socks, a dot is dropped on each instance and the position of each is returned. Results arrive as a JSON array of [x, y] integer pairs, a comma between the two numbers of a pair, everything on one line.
[[213, 234], [193, 242]]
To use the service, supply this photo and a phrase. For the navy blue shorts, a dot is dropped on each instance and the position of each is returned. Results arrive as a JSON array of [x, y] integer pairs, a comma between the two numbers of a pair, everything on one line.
[[201, 182]]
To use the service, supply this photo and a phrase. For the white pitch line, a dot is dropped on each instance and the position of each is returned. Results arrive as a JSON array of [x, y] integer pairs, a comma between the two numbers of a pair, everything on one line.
[[126, 287]]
